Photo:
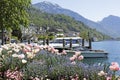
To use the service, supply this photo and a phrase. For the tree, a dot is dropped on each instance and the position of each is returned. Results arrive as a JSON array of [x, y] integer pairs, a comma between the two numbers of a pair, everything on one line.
[[17, 33], [84, 34], [13, 13]]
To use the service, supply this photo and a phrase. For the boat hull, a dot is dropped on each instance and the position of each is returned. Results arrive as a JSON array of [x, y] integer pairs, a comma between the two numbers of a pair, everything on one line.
[[91, 54]]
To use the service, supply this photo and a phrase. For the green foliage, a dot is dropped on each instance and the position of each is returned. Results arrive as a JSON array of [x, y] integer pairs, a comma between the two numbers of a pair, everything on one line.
[[13, 13], [14, 37], [41, 37]]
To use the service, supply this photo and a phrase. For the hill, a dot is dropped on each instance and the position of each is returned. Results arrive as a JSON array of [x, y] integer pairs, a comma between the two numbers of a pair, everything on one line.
[[60, 21], [112, 25], [56, 9]]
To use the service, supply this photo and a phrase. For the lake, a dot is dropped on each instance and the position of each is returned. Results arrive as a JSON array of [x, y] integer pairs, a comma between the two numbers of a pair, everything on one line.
[[113, 49]]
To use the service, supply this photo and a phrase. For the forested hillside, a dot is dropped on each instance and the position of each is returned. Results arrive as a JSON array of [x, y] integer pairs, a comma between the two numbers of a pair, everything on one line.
[[53, 8], [60, 21]]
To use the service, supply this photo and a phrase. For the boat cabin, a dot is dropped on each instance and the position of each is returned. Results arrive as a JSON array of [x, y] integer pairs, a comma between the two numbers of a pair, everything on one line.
[[66, 42]]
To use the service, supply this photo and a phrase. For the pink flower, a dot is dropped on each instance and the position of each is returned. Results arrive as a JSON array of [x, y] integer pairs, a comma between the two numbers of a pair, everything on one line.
[[29, 45], [49, 48], [81, 57], [26, 50], [52, 50], [37, 47], [13, 75], [75, 56], [56, 51], [72, 58], [109, 78], [64, 52], [115, 63], [114, 66]]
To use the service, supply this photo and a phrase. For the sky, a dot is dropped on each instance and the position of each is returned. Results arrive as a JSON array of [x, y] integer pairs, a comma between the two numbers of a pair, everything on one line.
[[94, 10]]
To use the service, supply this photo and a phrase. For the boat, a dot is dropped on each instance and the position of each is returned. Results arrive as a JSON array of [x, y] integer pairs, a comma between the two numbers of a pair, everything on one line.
[[73, 44], [91, 53], [66, 42]]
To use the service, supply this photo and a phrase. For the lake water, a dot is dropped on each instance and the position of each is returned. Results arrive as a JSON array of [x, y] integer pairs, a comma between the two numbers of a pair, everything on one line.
[[113, 49]]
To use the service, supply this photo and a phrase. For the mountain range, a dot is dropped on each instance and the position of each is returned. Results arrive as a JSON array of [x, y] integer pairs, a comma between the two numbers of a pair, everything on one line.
[[109, 25]]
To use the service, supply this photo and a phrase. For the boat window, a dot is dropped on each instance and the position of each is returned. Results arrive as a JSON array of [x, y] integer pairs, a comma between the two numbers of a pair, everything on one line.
[[67, 41], [75, 41], [58, 41]]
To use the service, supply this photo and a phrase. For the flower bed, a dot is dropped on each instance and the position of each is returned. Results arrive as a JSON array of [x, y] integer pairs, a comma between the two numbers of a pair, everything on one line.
[[35, 62]]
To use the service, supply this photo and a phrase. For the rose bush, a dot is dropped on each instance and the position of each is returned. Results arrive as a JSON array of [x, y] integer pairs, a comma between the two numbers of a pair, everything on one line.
[[35, 62]]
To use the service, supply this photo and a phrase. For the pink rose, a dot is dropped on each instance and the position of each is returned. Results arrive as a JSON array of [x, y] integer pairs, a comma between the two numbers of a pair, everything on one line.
[[114, 66], [72, 58], [81, 57]]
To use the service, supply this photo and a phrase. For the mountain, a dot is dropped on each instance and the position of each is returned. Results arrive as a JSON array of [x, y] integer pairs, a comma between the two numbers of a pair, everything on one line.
[[56, 22], [111, 24], [56, 9]]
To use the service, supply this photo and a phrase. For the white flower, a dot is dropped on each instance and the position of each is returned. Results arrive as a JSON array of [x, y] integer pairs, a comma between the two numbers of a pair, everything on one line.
[[30, 55], [56, 51], [5, 47], [35, 50], [15, 55], [77, 53], [102, 73], [84, 79], [24, 61], [1, 51], [16, 50], [9, 52], [22, 45], [73, 63], [21, 56]]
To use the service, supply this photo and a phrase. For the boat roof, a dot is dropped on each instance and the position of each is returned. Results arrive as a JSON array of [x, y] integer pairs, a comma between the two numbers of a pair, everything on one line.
[[69, 38]]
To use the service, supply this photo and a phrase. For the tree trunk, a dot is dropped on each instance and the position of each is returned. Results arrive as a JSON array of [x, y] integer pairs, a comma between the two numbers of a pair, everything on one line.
[[43, 41], [47, 41]]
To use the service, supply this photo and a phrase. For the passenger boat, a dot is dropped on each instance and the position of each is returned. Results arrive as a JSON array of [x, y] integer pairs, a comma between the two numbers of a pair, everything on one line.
[[66, 42], [73, 44], [91, 53]]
